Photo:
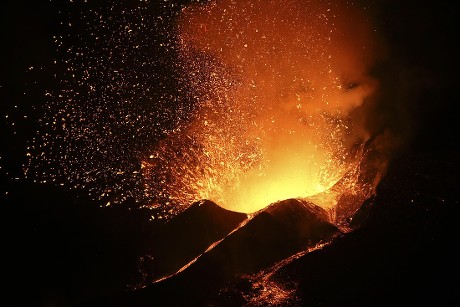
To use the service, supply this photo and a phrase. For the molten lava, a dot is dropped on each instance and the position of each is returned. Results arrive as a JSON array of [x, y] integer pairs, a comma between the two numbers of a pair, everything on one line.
[[277, 85]]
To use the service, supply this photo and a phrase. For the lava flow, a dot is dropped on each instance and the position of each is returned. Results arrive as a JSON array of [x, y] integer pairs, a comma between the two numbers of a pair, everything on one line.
[[279, 87]]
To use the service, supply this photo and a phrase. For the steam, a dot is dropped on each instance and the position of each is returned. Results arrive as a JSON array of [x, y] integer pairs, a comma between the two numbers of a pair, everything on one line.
[[279, 86]]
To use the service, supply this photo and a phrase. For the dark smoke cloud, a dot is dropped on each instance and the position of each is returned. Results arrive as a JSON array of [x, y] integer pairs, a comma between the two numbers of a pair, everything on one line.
[[416, 108]]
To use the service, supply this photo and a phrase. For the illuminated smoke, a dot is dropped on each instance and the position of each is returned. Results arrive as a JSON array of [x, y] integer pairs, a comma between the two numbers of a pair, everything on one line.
[[277, 82]]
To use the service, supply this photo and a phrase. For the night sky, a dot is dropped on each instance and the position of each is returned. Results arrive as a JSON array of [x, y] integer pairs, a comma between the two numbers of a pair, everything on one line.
[[59, 241]]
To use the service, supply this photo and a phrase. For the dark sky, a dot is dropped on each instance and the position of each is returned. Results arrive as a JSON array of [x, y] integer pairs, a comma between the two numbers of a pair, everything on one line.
[[421, 37], [26, 35]]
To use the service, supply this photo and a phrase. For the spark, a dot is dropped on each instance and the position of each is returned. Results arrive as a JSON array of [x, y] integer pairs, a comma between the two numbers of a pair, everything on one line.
[[168, 104]]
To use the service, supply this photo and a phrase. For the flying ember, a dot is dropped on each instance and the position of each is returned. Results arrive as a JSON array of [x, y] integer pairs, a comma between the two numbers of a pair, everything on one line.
[[240, 102], [279, 87]]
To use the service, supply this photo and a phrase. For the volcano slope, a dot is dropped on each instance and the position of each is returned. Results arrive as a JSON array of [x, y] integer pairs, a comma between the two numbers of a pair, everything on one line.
[[404, 251], [271, 235], [188, 235]]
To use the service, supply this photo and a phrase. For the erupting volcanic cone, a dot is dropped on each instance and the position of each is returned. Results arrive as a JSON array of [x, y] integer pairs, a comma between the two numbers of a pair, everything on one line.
[[273, 234]]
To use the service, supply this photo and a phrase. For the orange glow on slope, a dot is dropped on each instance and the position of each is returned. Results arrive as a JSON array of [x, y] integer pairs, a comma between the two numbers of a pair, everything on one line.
[[276, 82]]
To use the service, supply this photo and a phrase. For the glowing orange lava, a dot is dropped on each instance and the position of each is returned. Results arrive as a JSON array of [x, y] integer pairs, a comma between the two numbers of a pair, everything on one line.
[[277, 83]]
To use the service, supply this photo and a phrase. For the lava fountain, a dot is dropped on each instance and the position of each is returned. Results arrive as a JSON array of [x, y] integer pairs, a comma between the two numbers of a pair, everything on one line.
[[277, 86]]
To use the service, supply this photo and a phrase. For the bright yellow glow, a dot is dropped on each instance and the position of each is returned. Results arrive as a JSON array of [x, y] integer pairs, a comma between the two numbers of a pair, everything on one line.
[[256, 192]]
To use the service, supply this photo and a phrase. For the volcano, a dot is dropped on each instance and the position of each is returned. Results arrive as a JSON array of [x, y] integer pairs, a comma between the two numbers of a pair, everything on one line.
[[258, 242], [97, 123], [290, 254], [62, 249]]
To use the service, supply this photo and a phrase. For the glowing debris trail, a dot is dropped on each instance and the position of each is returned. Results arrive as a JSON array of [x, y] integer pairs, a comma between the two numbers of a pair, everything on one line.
[[275, 293], [210, 247]]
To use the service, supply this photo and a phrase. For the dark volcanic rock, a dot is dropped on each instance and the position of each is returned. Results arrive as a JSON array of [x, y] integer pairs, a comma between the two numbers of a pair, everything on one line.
[[273, 234], [405, 252], [276, 232], [188, 235]]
